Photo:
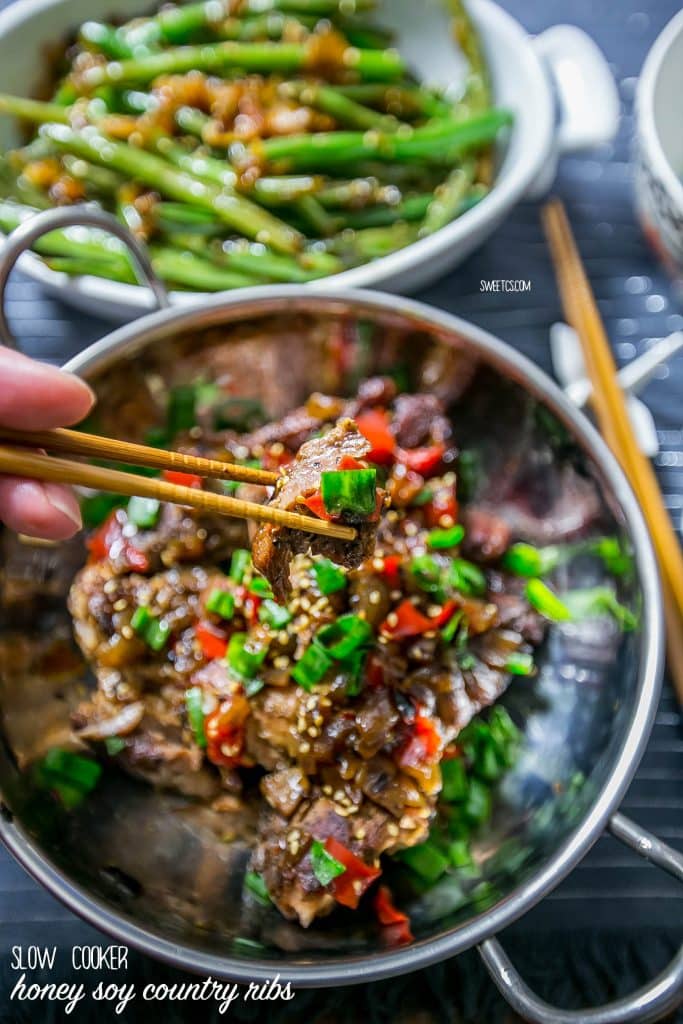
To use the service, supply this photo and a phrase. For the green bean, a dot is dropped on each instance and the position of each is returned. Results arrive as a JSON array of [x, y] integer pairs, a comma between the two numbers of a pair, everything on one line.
[[81, 266], [33, 110], [255, 259], [439, 141], [448, 198], [477, 86], [412, 208], [100, 178], [372, 243], [263, 57], [344, 110], [399, 98], [105, 39], [191, 271], [77, 243], [357, 193], [316, 216], [236, 211], [174, 218]]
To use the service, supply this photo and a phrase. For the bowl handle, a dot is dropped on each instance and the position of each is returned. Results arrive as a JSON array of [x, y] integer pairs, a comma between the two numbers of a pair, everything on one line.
[[81, 215], [586, 93], [651, 1002]]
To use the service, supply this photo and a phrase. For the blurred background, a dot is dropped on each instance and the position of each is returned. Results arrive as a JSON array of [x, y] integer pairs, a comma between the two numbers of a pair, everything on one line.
[[616, 921]]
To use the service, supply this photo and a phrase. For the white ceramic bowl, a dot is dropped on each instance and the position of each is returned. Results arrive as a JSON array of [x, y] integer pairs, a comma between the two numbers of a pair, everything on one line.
[[659, 146], [558, 85]]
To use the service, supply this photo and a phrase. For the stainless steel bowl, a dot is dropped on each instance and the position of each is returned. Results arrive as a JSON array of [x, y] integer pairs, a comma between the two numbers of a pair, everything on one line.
[[590, 710]]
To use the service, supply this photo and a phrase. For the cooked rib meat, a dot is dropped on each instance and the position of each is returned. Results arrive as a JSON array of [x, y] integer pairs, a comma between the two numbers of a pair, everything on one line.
[[274, 546]]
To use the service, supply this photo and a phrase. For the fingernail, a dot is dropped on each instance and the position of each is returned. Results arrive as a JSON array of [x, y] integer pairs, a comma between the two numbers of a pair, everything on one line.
[[86, 386], [63, 502]]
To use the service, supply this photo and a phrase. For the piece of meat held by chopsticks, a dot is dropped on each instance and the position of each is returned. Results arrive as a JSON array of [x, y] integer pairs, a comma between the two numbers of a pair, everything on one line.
[[328, 478]]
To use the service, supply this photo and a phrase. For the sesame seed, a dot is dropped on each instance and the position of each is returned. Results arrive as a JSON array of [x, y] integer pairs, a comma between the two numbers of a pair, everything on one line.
[[357, 886], [445, 521], [392, 620], [127, 632], [392, 829], [325, 702], [374, 597], [120, 604], [339, 795], [283, 637], [110, 586], [305, 748], [410, 529], [311, 703], [312, 731], [327, 790], [407, 822], [318, 719], [282, 661], [359, 833], [378, 564], [301, 723]]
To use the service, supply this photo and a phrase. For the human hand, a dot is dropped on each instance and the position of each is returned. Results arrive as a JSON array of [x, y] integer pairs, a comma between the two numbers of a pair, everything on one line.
[[35, 396]]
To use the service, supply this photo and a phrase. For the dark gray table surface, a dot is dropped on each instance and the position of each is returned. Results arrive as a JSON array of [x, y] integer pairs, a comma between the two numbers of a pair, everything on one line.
[[612, 893]]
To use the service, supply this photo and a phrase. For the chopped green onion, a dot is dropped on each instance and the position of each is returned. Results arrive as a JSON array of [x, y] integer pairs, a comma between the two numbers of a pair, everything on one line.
[[222, 603], [311, 667], [140, 619], [468, 473], [180, 412], [329, 577], [545, 601], [96, 508], [273, 614], [449, 538], [466, 577], [341, 638], [428, 575], [349, 490], [520, 664], [157, 437], [250, 946], [257, 887], [459, 853], [144, 512], [599, 601], [194, 705], [325, 867], [423, 497], [243, 656], [114, 745], [452, 626], [252, 686], [466, 660], [73, 768], [238, 564], [157, 633], [355, 665], [527, 560], [453, 779], [261, 587], [615, 558], [477, 806], [426, 860], [230, 486]]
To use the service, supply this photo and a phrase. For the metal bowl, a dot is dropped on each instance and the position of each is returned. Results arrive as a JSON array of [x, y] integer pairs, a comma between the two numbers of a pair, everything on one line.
[[586, 717]]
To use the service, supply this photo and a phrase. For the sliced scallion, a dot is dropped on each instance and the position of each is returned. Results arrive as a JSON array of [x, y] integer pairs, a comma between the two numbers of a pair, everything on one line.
[[144, 512], [257, 887], [311, 667], [545, 601], [329, 577], [194, 705], [325, 867], [243, 656], [238, 564], [440, 540], [275, 615], [350, 491], [222, 603], [341, 638]]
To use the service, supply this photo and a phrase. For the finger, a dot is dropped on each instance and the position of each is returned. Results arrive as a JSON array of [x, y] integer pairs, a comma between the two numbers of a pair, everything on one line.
[[39, 509], [35, 396]]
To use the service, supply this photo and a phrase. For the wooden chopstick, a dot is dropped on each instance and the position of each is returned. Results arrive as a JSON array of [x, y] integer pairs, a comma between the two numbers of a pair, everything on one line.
[[73, 442], [47, 467], [607, 398]]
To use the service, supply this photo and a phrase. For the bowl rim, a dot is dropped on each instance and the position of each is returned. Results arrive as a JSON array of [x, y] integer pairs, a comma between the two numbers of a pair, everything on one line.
[[651, 142], [249, 302], [504, 194]]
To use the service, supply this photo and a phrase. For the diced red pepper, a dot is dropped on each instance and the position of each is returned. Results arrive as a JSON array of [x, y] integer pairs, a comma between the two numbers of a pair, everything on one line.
[[348, 462], [276, 456], [390, 569], [224, 729], [424, 461], [442, 510], [314, 502], [374, 426], [395, 924], [173, 476], [445, 615], [212, 640], [409, 622], [348, 888], [110, 536], [422, 746]]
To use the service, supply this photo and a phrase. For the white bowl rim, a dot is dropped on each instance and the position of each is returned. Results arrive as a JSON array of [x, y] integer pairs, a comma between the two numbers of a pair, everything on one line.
[[645, 97], [505, 192]]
